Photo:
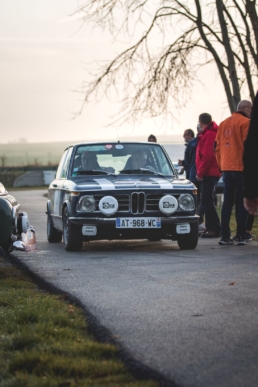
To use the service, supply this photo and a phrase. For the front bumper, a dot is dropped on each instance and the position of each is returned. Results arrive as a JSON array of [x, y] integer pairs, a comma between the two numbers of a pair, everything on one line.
[[106, 228]]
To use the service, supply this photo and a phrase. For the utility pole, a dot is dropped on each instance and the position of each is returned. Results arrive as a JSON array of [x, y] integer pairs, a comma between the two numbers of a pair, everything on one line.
[[3, 159]]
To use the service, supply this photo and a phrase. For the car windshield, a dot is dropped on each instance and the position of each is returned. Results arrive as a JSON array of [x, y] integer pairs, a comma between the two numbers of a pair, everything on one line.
[[119, 158]]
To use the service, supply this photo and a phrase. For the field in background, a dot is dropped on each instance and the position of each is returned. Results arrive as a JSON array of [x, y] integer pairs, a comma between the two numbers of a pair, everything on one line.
[[49, 154], [35, 154]]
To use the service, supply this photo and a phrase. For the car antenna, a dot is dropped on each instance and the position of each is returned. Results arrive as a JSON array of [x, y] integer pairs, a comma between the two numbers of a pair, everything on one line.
[[117, 135]]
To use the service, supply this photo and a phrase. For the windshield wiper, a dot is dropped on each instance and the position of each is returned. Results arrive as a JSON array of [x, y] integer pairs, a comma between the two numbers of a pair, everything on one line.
[[94, 172], [142, 170]]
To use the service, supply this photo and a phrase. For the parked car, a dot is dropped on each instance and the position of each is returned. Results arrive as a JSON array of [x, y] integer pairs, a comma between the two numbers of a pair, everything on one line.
[[180, 170], [12, 222], [120, 190]]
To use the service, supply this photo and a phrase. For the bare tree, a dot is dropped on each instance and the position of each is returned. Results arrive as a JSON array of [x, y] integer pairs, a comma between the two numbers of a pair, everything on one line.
[[171, 41]]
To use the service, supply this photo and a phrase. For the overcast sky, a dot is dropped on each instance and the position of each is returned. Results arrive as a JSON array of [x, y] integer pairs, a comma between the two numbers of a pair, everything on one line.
[[42, 64]]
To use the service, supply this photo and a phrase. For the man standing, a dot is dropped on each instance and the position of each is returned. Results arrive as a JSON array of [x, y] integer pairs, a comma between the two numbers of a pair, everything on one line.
[[191, 156], [188, 136], [209, 173], [229, 151]]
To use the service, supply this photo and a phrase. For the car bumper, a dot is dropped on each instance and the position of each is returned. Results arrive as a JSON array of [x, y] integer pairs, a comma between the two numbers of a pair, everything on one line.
[[106, 228]]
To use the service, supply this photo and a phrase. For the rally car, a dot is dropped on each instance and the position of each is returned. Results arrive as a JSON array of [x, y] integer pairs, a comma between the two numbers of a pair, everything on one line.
[[120, 190]]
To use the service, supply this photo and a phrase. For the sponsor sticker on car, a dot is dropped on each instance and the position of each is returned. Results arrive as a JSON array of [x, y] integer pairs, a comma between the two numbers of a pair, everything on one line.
[[183, 228]]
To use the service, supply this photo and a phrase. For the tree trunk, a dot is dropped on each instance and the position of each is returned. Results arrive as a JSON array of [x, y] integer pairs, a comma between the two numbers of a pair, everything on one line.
[[251, 11], [230, 56]]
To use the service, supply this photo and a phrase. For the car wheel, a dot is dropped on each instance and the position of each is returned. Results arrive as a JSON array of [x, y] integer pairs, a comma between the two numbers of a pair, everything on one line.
[[53, 235], [72, 235], [189, 241], [6, 249]]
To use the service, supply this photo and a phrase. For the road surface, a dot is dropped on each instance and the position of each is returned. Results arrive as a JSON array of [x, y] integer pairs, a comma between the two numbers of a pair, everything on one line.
[[189, 315]]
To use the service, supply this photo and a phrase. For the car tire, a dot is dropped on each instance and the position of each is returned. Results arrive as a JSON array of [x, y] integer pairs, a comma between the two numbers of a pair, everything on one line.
[[72, 236], [53, 235], [189, 241]]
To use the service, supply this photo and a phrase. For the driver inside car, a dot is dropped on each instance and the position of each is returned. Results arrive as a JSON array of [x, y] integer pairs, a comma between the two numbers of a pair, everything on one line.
[[89, 161], [138, 159]]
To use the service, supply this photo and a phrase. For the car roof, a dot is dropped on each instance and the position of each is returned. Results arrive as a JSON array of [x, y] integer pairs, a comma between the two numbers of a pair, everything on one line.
[[114, 142]]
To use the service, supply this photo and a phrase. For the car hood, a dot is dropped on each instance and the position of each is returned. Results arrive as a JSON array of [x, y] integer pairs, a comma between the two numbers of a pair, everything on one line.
[[129, 182]]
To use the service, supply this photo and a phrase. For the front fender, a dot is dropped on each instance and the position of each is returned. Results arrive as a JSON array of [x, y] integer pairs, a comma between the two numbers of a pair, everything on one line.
[[6, 223], [68, 205], [48, 207]]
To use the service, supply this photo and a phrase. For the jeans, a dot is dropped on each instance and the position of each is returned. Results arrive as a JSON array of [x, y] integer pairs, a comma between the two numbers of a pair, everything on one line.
[[212, 221], [233, 194]]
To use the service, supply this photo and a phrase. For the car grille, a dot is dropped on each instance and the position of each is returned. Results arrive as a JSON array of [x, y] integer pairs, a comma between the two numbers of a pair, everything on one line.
[[136, 202]]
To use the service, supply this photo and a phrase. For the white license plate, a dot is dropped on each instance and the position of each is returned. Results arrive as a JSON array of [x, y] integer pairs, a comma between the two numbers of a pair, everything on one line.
[[138, 223], [183, 228]]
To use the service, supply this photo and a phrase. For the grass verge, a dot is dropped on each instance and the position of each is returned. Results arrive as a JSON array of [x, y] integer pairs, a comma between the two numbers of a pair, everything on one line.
[[233, 226], [44, 341]]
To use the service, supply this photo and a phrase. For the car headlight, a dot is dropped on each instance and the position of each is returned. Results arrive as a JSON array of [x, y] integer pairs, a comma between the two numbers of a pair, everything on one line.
[[87, 203], [168, 204], [186, 202]]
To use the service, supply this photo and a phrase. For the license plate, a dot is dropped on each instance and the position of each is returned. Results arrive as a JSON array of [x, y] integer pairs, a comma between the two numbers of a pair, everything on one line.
[[138, 223], [183, 228]]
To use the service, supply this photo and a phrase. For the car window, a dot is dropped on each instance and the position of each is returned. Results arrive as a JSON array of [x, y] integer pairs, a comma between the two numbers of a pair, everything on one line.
[[119, 158], [62, 169]]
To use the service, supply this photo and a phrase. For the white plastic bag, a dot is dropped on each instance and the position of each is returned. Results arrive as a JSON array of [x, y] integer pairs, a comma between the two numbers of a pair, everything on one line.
[[29, 239]]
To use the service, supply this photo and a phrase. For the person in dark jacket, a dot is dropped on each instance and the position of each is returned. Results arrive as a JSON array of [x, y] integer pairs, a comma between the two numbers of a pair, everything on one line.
[[188, 136], [250, 159], [191, 160], [207, 171]]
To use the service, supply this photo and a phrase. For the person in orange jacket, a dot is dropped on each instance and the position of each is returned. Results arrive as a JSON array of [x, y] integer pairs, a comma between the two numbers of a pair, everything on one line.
[[229, 150]]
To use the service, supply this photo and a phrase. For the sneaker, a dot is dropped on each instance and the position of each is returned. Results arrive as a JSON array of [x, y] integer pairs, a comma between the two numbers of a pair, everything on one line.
[[248, 237], [226, 241], [241, 241], [210, 234], [202, 227]]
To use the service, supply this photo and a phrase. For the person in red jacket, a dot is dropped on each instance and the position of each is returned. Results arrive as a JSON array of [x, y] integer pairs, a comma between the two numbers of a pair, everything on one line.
[[208, 173]]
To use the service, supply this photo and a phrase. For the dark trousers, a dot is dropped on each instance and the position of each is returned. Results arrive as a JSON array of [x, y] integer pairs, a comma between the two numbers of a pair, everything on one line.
[[200, 211], [233, 194], [249, 222], [212, 221]]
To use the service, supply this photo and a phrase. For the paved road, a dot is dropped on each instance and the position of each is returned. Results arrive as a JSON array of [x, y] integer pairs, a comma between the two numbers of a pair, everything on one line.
[[190, 315]]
